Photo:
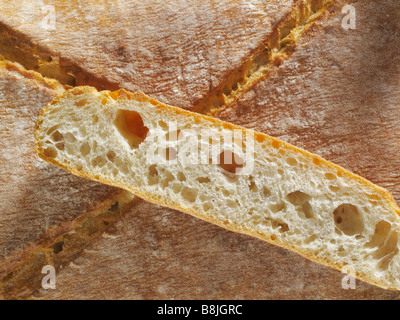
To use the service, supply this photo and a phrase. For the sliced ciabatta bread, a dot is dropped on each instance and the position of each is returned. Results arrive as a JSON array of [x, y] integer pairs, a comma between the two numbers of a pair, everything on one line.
[[242, 180]]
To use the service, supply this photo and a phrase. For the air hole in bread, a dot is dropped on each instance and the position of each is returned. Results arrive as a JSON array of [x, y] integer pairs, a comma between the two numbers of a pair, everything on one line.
[[60, 146], [81, 102], [203, 179], [277, 224], [94, 145], [252, 185], [52, 129], [384, 263], [189, 194], [310, 239], [111, 155], [334, 188], [387, 251], [152, 175], [57, 136], [115, 172], [276, 207], [283, 227], [232, 204], [114, 94], [50, 152], [95, 119], [373, 196], [181, 176], [348, 219], [291, 161], [301, 201], [168, 177], [130, 125], [203, 197], [266, 192], [176, 186], [124, 168], [207, 206], [76, 91], [275, 144], [298, 198], [330, 176], [381, 232], [230, 162], [307, 209], [163, 124], [99, 161], [69, 137], [226, 192], [85, 149], [373, 202]]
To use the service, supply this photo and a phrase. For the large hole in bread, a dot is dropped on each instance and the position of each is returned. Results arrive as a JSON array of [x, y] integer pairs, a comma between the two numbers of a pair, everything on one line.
[[168, 177], [348, 219], [387, 251], [381, 232], [301, 201], [189, 194], [297, 198], [50, 152], [130, 124], [389, 246]]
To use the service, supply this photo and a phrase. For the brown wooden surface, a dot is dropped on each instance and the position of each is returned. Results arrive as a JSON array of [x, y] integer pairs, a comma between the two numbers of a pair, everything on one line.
[[336, 96]]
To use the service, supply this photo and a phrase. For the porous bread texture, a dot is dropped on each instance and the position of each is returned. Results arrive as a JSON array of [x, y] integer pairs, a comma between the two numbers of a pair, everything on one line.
[[271, 190]]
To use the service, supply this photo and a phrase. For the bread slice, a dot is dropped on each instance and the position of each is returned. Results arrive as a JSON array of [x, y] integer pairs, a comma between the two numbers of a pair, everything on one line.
[[239, 179]]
